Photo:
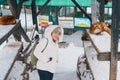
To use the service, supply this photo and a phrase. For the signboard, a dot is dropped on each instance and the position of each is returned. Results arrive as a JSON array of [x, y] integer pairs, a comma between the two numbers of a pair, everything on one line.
[[82, 22], [66, 22], [43, 20]]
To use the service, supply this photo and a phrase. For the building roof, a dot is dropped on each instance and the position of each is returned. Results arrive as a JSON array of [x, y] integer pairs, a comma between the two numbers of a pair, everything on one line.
[[85, 3]]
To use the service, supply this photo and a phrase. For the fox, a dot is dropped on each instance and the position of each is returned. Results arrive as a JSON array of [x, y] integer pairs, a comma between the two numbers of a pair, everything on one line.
[[99, 27], [7, 20]]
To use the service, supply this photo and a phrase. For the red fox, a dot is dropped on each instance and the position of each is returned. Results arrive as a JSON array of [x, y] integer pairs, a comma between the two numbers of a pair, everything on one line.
[[7, 19], [98, 27]]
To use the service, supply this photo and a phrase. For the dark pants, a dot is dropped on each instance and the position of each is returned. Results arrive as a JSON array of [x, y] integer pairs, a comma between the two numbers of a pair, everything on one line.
[[45, 75]]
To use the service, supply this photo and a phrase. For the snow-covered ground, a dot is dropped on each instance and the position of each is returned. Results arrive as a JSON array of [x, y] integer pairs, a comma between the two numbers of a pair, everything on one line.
[[66, 69], [68, 57], [67, 66]]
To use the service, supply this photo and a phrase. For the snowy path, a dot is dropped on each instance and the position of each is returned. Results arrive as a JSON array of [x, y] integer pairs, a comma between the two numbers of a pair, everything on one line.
[[66, 69], [68, 57], [67, 65]]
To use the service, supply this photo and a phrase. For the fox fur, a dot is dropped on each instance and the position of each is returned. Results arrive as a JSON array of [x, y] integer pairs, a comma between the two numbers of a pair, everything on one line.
[[99, 27], [7, 20]]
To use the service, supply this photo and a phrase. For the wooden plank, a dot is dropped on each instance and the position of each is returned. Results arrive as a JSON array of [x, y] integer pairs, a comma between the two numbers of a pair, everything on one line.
[[23, 33], [101, 43], [7, 58], [7, 30], [106, 57], [94, 64], [13, 6], [103, 57], [100, 69], [104, 39]]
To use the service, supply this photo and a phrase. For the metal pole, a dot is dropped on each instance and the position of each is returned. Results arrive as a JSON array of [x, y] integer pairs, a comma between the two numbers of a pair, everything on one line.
[[74, 1], [42, 8]]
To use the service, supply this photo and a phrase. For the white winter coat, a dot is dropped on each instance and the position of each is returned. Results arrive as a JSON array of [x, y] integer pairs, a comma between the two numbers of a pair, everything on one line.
[[50, 51]]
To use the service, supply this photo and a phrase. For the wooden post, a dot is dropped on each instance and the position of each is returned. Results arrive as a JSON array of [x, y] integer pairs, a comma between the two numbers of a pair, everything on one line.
[[101, 10], [35, 13], [34, 17], [19, 8], [94, 10], [114, 38], [15, 8]]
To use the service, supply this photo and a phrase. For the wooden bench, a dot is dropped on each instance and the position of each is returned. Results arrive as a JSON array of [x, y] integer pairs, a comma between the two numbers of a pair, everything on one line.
[[102, 44], [8, 55], [7, 30], [100, 69], [97, 52]]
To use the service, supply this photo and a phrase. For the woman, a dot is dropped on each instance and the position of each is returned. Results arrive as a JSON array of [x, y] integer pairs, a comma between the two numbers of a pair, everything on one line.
[[47, 60]]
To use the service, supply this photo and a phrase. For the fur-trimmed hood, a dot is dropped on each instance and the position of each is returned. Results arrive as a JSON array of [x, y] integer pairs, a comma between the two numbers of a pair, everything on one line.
[[51, 51], [50, 29]]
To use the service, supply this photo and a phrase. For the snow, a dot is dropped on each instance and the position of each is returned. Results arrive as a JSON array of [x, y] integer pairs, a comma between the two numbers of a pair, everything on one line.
[[29, 21], [100, 69], [68, 57], [4, 29], [95, 64], [66, 69], [102, 41], [67, 65], [75, 38], [7, 57], [16, 71]]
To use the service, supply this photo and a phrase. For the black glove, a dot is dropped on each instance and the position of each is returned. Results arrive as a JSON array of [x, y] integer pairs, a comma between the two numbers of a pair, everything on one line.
[[50, 59]]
